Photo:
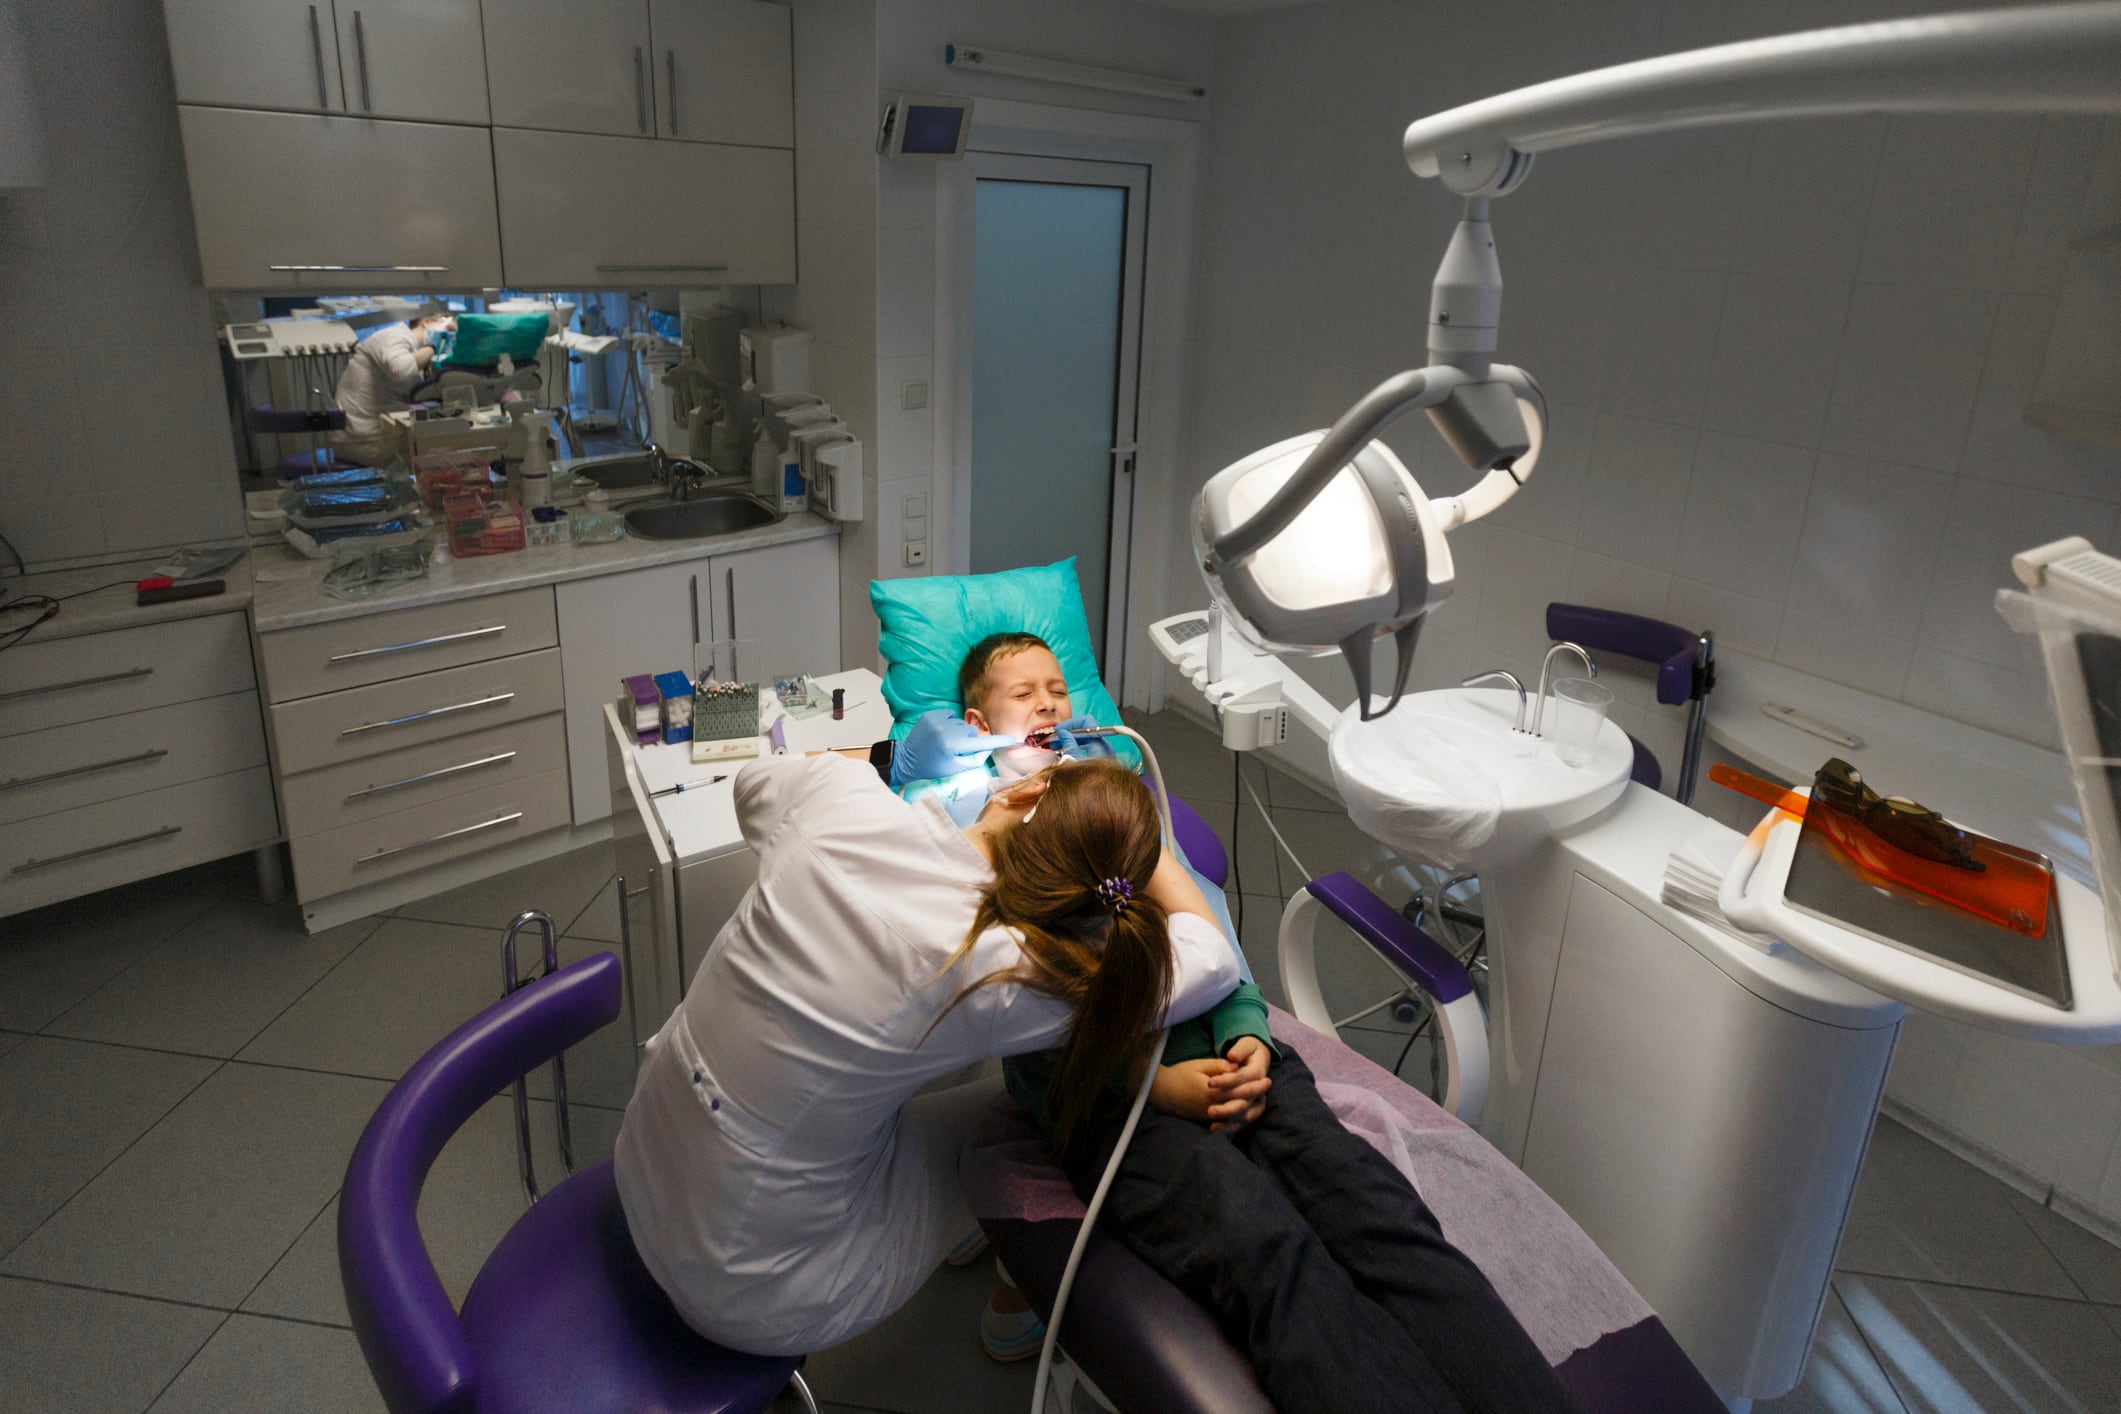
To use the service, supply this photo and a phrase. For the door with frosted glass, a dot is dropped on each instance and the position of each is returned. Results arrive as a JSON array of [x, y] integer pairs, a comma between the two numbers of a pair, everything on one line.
[[1056, 335]]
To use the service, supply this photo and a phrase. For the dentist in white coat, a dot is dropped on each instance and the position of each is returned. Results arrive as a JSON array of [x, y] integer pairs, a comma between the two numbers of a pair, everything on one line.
[[787, 1178]]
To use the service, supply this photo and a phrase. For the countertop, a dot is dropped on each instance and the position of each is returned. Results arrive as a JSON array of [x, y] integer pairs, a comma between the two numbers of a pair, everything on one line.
[[1985, 781], [111, 604], [288, 590]]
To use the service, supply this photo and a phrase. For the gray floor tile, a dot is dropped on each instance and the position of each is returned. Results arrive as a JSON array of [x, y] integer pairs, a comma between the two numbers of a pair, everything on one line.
[[258, 1364], [600, 920], [2091, 1261], [215, 984], [209, 1199], [1350, 976], [1253, 869], [1292, 794], [1950, 1349], [473, 1194], [2113, 1317], [91, 1351], [67, 1108], [1194, 761], [11, 1039], [927, 1356], [562, 886], [53, 957], [1841, 1376], [1328, 844], [1924, 1214], [408, 985], [304, 1284], [601, 1069]]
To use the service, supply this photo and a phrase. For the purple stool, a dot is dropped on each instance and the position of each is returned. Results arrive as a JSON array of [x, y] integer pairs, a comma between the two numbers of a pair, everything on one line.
[[563, 1316], [1686, 670]]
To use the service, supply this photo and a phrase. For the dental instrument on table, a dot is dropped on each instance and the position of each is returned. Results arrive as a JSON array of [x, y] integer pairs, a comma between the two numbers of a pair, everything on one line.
[[682, 786]]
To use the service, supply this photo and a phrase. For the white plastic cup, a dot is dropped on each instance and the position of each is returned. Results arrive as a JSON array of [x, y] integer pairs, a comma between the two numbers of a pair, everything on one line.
[[1579, 711]]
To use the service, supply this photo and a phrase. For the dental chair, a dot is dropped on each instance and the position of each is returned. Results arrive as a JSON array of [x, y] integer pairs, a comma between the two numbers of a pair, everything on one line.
[[1686, 670], [563, 1317]]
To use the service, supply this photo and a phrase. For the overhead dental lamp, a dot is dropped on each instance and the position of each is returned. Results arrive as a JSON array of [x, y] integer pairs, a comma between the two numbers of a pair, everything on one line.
[[1325, 542]]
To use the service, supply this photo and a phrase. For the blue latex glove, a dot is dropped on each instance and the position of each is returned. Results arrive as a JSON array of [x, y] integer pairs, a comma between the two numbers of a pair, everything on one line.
[[1065, 741], [941, 744]]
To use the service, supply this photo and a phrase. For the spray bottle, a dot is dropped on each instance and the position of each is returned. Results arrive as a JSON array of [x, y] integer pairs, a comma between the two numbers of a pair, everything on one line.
[[537, 460]]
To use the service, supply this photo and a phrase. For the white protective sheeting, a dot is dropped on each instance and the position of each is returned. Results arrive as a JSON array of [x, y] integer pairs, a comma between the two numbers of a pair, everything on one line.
[[1408, 788]]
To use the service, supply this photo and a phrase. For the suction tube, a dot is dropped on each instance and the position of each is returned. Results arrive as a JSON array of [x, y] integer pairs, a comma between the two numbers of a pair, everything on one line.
[[1134, 1115]]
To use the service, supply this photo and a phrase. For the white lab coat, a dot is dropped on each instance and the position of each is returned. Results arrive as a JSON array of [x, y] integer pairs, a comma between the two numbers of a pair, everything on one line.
[[774, 1178], [379, 378]]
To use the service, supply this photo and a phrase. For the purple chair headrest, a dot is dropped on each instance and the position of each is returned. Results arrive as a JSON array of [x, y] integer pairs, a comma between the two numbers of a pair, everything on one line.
[[407, 1327], [1632, 636]]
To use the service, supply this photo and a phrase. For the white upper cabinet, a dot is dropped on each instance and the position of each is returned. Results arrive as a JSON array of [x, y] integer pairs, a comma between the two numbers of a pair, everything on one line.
[[409, 205], [581, 212], [577, 66], [255, 54], [415, 59], [723, 72]]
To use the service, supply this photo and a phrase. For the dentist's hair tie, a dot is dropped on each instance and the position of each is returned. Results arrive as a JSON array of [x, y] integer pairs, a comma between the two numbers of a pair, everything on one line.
[[1116, 893]]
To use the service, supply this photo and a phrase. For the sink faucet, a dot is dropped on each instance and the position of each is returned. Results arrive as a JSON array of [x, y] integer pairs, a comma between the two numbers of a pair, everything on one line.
[[682, 475], [1507, 676], [1546, 665]]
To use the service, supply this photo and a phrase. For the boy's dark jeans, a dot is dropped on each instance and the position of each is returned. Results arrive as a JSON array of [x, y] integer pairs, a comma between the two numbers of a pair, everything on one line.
[[1318, 1258]]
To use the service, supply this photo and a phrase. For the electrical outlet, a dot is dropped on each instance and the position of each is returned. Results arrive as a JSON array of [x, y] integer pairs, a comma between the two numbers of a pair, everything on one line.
[[916, 552]]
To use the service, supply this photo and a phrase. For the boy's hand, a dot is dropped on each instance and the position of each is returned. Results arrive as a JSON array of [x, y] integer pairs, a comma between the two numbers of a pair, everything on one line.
[[1240, 1089]]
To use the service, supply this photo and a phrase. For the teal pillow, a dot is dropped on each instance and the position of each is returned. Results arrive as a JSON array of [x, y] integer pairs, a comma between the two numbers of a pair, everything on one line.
[[481, 339], [931, 624]]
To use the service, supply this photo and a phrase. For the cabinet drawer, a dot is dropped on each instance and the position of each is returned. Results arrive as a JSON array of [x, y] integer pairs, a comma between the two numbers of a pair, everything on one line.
[[353, 791], [101, 674], [425, 835], [98, 846], [63, 767], [369, 721], [301, 662]]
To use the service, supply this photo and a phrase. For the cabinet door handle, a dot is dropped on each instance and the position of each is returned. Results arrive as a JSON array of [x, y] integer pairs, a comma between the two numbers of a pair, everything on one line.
[[128, 674], [486, 632], [640, 90], [316, 47], [367, 791], [20, 781], [670, 66], [736, 674], [430, 712], [619, 268], [391, 269], [27, 865], [360, 44], [445, 836]]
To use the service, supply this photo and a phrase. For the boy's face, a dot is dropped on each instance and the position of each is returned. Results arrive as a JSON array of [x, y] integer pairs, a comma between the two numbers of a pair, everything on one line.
[[1025, 691]]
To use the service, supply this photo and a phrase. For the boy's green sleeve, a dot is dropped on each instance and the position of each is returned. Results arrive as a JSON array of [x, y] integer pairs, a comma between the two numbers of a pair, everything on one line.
[[1242, 1013]]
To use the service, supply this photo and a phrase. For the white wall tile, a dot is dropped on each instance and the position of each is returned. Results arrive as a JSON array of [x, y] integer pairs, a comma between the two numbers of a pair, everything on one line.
[[2054, 200], [1557, 320], [1663, 337], [905, 283], [1528, 574], [1872, 531], [1926, 1062], [1606, 583], [1807, 193], [1683, 195], [1775, 352], [1745, 509], [1634, 497], [1738, 620], [2001, 446], [1988, 524], [1982, 695], [2038, 1105], [1909, 363], [1844, 651], [1551, 503], [905, 436], [1945, 209]]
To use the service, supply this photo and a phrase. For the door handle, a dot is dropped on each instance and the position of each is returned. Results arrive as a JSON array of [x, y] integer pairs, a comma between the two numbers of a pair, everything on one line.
[[18, 782], [670, 68], [316, 47], [360, 44], [430, 712], [442, 838], [640, 90], [496, 760], [736, 674], [486, 632], [28, 865], [128, 674]]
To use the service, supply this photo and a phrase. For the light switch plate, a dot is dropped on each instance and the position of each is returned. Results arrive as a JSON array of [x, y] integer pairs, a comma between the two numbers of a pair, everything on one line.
[[912, 530], [914, 506], [913, 395]]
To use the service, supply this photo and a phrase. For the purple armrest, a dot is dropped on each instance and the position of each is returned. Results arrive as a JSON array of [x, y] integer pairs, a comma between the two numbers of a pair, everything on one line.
[[1198, 843], [402, 1314], [1669, 646], [1412, 951]]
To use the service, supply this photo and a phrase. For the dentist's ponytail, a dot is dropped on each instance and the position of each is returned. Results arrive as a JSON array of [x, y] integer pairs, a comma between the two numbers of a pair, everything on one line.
[[1072, 882]]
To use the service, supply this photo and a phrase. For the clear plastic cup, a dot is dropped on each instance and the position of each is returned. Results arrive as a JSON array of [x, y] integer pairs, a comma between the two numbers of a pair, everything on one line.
[[1579, 710]]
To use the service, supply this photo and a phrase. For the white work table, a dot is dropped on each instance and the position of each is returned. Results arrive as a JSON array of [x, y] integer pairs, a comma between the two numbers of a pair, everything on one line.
[[107, 599], [1995, 784], [686, 845], [289, 589]]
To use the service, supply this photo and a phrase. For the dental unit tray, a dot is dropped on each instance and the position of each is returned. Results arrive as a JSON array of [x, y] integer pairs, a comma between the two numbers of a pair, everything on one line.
[[725, 720]]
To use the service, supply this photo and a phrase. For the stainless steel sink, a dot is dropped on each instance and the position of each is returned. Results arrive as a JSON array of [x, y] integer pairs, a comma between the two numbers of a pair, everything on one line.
[[709, 514]]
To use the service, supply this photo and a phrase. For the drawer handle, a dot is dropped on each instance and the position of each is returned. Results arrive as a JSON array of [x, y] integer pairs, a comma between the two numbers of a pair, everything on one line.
[[316, 47], [128, 674], [20, 781], [487, 632], [432, 775], [430, 712], [446, 835], [29, 864], [394, 269], [621, 268]]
